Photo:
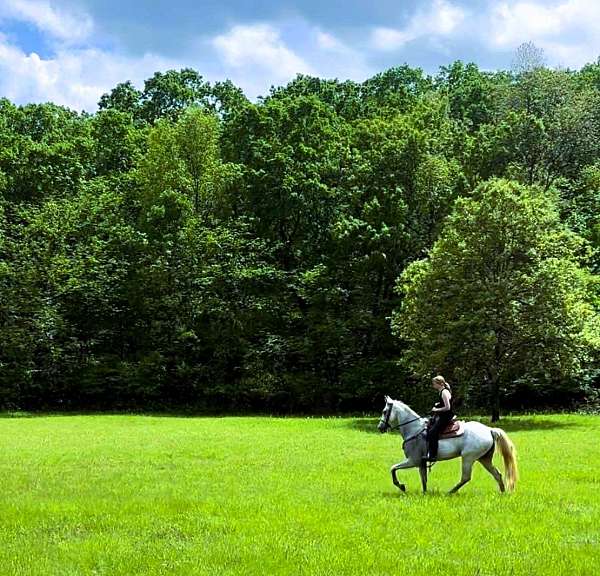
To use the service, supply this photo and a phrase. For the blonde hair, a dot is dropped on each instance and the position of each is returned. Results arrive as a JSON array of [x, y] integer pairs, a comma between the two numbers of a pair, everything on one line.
[[441, 380]]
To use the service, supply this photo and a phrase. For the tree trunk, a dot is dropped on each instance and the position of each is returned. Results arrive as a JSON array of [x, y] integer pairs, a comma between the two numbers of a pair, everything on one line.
[[495, 390], [495, 371], [493, 381]]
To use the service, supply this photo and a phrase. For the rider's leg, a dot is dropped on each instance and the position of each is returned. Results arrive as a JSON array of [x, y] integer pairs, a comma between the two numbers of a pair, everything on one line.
[[433, 438], [440, 422]]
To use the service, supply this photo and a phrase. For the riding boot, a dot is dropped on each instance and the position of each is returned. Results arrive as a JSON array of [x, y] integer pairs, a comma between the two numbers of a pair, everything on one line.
[[432, 450]]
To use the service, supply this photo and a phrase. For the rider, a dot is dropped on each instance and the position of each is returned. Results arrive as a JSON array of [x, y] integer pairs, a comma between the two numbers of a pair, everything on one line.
[[442, 414]]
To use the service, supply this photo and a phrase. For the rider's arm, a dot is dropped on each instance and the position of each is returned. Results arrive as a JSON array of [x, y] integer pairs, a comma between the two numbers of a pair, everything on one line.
[[445, 400]]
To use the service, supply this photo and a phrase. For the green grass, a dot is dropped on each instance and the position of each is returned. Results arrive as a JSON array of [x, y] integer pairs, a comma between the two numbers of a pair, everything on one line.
[[120, 495]]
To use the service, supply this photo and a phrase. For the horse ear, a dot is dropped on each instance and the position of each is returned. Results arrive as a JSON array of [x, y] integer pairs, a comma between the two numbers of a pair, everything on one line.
[[387, 399]]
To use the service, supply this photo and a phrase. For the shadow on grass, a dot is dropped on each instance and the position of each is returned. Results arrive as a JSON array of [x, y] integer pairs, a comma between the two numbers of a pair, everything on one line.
[[528, 423], [364, 425], [508, 424], [367, 425], [17, 415], [119, 413], [414, 493]]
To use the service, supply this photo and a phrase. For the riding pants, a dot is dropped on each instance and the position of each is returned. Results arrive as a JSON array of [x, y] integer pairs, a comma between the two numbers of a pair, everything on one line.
[[438, 422]]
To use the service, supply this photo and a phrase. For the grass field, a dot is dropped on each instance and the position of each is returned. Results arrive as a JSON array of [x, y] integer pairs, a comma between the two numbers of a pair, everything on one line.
[[117, 495]]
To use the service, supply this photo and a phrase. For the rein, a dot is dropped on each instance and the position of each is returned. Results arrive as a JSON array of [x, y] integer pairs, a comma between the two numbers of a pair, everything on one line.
[[403, 423], [387, 421], [387, 426], [419, 433]]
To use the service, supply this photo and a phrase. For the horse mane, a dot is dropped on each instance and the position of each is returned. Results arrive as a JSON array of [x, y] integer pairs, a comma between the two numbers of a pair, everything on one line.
[[407, 408]]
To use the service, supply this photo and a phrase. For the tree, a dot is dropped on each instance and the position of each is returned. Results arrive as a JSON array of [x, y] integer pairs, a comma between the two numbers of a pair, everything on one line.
[[528, 57], [345, 98], [185, 157], [124, 97], [589, 75], [547, 129], [502, 298], [197, 135], [580, 209], [183, 241], [226, 99], [67, 269], [168, 93], [291, 150], [117, 143], [395, 90], [472, 94], [45, 151]]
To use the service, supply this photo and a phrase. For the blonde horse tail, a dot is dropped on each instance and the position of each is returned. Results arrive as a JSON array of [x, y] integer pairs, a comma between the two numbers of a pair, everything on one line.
[[509, 454]]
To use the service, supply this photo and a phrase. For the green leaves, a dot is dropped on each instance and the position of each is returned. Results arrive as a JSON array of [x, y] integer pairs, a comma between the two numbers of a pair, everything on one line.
[[184, 243], [45, 150], [185, 158], [501, 296]]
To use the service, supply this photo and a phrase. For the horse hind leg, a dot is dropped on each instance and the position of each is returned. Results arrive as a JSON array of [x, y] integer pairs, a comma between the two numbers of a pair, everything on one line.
[[467, 469], [487, 462]]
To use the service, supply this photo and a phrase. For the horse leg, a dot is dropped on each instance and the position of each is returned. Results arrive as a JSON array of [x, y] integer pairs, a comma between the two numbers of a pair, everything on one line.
[[487, 463], [467, 468], [423, 472], [402, 465]]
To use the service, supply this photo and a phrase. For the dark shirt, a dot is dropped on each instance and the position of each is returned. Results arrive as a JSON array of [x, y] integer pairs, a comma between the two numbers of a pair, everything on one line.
[[446, 414]]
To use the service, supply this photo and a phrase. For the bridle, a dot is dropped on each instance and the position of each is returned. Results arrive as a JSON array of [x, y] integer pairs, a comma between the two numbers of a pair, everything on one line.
[[386, 422]]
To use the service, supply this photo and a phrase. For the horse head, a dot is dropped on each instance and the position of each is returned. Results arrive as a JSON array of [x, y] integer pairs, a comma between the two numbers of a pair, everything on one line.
[[388, 416]]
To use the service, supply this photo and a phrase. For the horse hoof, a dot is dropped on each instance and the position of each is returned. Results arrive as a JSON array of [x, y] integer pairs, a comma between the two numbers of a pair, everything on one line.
[[402, 487]]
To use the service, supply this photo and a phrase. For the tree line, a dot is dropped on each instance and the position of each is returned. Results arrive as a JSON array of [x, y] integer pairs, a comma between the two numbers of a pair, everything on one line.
[[184, 247]]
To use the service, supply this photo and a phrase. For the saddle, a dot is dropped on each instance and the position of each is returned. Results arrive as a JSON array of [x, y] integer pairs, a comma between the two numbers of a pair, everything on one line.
[[453, 429]]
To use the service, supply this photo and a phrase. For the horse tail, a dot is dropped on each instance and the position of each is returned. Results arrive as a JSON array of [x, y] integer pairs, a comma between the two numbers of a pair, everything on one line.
[[509, 454]]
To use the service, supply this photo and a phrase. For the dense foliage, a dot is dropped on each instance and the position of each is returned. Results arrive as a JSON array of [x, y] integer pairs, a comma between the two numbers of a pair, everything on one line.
[[185, 247]]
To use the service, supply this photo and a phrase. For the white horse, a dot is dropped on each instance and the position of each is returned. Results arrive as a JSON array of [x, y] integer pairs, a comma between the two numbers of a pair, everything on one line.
[[477, 443]]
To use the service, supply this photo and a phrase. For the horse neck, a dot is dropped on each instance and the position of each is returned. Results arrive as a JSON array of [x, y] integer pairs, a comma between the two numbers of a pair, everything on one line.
[[405, 414]]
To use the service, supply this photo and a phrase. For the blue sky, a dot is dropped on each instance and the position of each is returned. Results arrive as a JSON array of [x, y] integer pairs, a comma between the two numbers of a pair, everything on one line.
[[72, 51]]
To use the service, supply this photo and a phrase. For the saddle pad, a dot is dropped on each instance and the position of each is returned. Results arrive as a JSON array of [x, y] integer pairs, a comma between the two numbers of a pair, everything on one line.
[[455, 428]]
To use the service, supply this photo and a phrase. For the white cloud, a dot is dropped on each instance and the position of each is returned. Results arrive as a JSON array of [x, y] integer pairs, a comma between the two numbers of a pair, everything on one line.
[[440, 18], [327, 41], [258, 56], [568, 31], [75, 78], [259, 46], [334, 58], [76, 74], [64, 26], [512, 22], [389, 39]]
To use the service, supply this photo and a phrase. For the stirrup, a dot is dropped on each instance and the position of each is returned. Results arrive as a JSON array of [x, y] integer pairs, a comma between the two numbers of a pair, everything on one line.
[[428, 463]]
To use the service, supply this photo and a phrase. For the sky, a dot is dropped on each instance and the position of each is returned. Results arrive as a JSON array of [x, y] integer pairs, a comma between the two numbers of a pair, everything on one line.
[[72, 51]]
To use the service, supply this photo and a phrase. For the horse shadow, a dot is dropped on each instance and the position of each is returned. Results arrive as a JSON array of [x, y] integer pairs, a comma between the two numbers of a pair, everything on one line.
[[526, 423], [394, 494], [508, 423], [368, 425]]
